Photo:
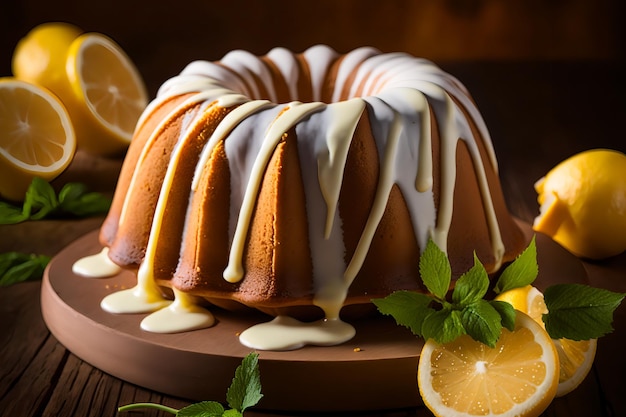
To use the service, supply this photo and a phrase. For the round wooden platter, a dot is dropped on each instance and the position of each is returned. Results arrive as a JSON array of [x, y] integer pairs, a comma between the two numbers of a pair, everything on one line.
[[376, 370]]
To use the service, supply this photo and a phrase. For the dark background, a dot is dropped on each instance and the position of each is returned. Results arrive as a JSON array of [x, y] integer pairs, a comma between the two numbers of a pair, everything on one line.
[[162, 36]]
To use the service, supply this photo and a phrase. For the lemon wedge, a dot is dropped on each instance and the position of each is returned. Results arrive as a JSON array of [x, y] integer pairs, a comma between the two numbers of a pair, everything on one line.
[[519, 377], [36, 137]]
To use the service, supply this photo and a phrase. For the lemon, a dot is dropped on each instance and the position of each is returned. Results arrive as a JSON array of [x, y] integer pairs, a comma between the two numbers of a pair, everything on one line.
[[94, 78], [36, 137], [583, 204], [575, 357], [519, 377], [40, 56], [527, 299]]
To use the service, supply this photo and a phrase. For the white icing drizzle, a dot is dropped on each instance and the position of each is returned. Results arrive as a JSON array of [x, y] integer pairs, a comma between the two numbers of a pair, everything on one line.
[[287, 333], [244, 63], [398, 91], [319, 59], [231, 120], [139, 299], [96, 266], [332, 159], [288, 66], [183, 315], [293, 114]]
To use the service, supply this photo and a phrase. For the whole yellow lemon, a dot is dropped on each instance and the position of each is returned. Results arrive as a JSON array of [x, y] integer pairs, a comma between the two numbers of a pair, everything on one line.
[[40, 56], [583, 204]]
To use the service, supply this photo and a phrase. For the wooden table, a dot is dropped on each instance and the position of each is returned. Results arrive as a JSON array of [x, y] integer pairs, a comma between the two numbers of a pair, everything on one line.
[[539, 113]]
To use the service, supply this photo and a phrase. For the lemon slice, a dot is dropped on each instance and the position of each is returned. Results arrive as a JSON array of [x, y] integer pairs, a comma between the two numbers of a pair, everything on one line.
[[36, 137], [519, 377], [108, 94], [575, 357]]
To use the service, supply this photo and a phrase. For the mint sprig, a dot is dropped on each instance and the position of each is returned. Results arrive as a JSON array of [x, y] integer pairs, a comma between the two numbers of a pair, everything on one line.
[[436, 317], [576, 312], [244, 392], [19, 267], [41, 201]]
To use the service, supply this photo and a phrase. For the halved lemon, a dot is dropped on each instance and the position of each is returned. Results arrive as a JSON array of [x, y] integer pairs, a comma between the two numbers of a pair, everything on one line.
[[36, 137], [575, 357], [108, 94], [519, 377]]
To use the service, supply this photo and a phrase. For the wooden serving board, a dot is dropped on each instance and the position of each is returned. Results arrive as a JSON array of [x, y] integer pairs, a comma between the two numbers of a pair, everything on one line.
[[377, 370]]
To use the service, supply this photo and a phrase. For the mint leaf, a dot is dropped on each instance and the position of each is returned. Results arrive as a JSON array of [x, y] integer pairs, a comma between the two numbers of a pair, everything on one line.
[[482, 322], [443, 326], [245, 390], [471, 286], [408, 308], [507, 313], [579, 312], [232, 413], [74, 199], [41, 201], [521, 272], [19, 267], [435, 270], [202, 409], [10, 214]]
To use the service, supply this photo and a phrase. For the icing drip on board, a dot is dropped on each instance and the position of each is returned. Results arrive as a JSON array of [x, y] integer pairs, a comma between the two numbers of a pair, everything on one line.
[[400, 92]]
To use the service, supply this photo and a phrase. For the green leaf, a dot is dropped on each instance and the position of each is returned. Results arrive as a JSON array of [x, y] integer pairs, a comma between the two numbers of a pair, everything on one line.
[[75, 199], [435, 270], [232, 413], [40, 199], [471, 286], [507, 313], [10, 214], [443, 326], [8, 259], [202, 409], [19, 267], [521, 272], [579, 312], [245, 390], [482, 322], [408, 308]]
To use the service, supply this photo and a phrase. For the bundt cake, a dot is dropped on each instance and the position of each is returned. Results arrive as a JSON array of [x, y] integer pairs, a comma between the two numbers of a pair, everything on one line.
[[300, 184]]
